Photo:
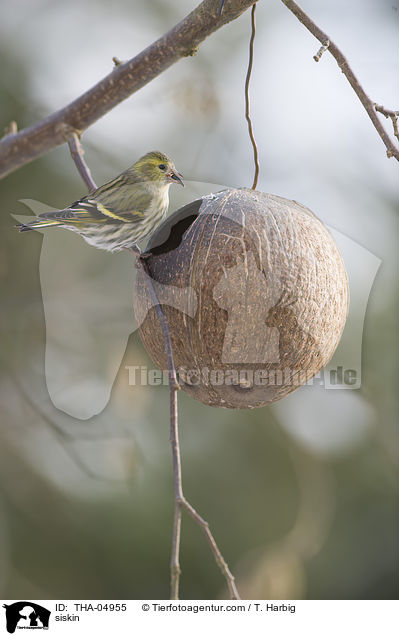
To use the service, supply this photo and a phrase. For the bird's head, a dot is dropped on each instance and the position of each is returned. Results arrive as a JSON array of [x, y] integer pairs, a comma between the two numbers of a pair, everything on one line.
[[158, 168]]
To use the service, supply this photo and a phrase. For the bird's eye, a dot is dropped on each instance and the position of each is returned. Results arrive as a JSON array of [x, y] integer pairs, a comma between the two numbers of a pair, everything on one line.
[[162, 166]]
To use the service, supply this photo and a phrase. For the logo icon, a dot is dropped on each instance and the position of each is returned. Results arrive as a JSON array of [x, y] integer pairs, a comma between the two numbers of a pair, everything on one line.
[[26, 615]]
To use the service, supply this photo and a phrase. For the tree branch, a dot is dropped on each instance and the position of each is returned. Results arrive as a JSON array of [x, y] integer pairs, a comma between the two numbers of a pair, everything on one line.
[[180, 501], [215, 550], [175, 570], [328, 44], [247, 103], [18, 148], [393, 115], [78, 157]]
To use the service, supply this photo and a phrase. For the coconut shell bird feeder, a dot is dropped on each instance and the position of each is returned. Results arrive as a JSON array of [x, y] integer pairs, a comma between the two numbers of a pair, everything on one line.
[[255, 294]]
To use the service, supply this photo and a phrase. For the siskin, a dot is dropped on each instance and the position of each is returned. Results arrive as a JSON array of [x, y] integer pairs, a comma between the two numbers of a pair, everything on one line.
[[121, 212]]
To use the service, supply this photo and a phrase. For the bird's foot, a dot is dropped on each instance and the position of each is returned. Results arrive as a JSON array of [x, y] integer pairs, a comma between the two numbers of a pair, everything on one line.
[[136, 250], [142, 256]]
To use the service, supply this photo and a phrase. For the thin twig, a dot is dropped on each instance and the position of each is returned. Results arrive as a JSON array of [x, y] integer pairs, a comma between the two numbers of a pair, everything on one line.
[[78, 156], [393, 114], [124, 80], [174, 386], [247, 105], [180, 501], [163, 322], [216, 552], [175, 570], [368, 104]]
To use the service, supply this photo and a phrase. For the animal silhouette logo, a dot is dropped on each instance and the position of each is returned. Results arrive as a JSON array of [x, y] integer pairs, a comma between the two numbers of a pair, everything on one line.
[[26, 615]]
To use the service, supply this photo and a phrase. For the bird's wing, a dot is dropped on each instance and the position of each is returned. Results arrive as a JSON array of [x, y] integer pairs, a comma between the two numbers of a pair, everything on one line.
[[114, 202], [124, 201]]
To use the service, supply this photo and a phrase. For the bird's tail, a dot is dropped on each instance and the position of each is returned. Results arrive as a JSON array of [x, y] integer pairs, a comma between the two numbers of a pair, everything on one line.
[[37, 224]]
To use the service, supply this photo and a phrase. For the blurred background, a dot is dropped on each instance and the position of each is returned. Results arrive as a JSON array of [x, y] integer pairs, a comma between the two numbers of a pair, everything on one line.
[[302, 496]]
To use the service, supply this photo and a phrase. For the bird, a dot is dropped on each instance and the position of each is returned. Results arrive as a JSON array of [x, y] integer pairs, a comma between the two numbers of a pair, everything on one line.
[[121, 212]]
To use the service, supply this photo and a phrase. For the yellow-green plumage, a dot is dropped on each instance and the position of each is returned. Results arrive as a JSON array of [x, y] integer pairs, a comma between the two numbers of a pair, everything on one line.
[[121, 212]]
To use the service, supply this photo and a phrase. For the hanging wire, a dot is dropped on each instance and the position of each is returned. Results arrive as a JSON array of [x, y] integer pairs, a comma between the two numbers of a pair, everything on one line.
[[247, 106]]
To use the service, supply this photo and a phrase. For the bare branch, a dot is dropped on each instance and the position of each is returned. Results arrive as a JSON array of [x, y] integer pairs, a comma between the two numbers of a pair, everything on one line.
[[126, 78], [393, 114], [247, 104], [77, 155], [175, 570], [368, 104], [215, 550], [164, 324], [179, 500]]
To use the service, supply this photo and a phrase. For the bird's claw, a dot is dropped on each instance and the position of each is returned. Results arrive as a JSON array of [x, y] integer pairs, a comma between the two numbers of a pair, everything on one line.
[[137, 251]]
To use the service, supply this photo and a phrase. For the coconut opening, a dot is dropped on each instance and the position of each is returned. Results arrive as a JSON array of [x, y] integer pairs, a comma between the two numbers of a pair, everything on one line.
[[170, 233]]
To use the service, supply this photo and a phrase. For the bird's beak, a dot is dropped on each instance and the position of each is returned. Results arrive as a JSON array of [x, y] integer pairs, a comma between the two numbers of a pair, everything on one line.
[[175, 177]]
